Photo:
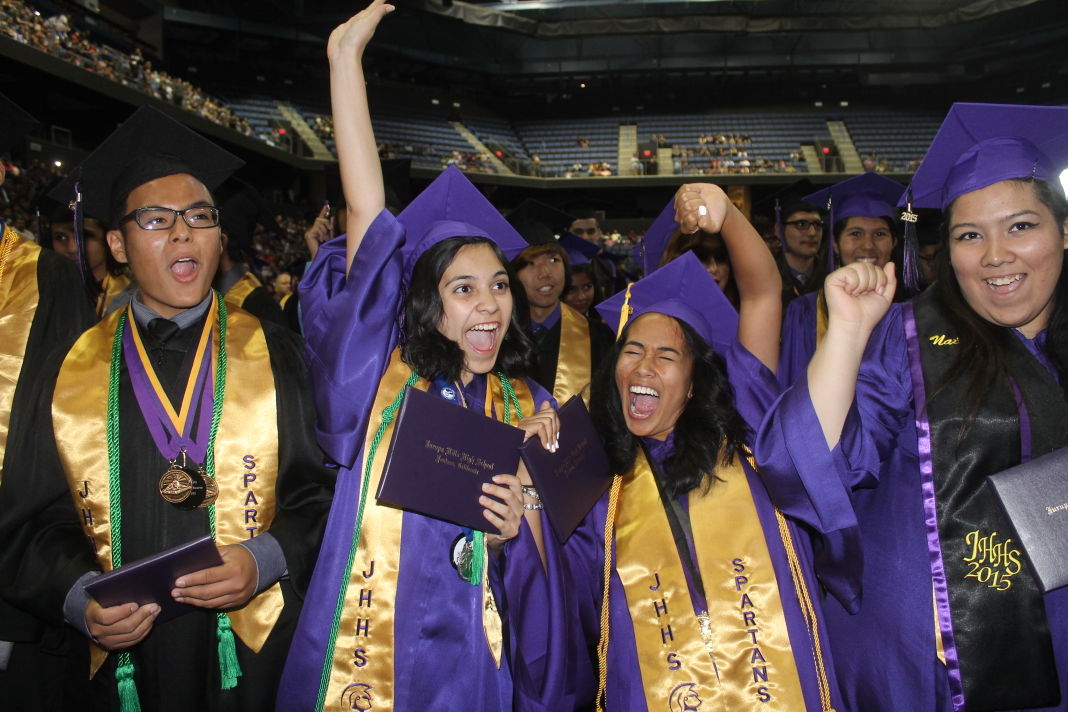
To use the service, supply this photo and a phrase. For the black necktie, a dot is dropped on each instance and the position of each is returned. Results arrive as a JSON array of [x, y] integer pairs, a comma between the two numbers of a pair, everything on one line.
[[163, 329]]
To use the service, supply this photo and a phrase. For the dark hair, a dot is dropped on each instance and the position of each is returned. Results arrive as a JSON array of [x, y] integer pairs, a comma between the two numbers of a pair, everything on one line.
[[798, 206], [587, 269], [526, 258], [706, 246], [709, 426], [426, 349], [982, 352]]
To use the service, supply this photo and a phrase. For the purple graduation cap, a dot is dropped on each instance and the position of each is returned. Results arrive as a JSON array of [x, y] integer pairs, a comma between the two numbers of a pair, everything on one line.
[[579, 251], [868, 195], [682, 289], [982, 144], [651, 247], [452, 206]]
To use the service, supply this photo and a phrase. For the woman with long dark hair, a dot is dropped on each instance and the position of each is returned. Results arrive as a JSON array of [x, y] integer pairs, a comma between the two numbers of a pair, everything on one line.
[[690, 588], [406, 611], [885, 444], [864, 228]]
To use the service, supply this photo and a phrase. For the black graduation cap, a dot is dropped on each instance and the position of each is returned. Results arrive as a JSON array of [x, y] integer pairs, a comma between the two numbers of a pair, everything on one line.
[[539, 222], [147, 146], [14, 124], [785, 198], [240, 210], [396, 179]]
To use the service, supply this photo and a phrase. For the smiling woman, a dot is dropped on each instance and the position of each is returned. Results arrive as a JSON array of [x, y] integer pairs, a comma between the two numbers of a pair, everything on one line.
[[885, 443]]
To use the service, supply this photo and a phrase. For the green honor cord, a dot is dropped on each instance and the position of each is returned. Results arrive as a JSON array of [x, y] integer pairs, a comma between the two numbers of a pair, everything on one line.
[[229, 668], [478, 541]]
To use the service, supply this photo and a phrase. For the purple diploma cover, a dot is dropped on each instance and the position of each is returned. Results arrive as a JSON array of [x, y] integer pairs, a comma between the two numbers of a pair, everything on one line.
[[440, 456], [572, 479], [1035, 497], [151, 579]]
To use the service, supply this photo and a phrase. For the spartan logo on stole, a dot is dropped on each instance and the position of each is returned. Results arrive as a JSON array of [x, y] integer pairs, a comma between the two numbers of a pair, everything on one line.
[[684, 698], [357, 696]]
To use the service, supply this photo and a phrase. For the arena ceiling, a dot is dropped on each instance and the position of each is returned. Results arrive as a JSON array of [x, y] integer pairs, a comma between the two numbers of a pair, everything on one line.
[[592, 56]]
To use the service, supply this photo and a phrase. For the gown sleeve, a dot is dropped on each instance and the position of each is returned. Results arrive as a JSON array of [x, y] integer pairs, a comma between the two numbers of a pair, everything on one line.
[[817, 485], [798, 338], [350, 328]]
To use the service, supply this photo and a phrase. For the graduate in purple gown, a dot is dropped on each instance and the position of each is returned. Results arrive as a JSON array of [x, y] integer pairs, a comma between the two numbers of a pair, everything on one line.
[[404, 611], [884, 445], [690, 589], [864, 229]]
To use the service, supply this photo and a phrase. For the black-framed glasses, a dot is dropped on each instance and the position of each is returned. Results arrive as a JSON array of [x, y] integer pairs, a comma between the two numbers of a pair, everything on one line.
[[803, 225], [157, 218]]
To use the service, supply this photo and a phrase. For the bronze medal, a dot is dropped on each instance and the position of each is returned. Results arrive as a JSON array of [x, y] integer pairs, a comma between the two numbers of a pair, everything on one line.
[[211, 490], [183, 487]]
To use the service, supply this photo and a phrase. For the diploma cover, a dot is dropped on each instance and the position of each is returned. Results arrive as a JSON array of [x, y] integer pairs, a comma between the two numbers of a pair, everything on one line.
[[151, 579], [440, 456], [572, 479], [1035, 498]]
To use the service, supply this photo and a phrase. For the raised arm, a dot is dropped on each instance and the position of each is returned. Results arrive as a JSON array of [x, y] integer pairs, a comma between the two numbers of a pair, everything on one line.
[[752, 266], [361, 171], [858, 295]]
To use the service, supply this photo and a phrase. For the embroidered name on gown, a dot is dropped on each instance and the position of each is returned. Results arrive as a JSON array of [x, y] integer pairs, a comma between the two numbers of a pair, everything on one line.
[[993, 624]]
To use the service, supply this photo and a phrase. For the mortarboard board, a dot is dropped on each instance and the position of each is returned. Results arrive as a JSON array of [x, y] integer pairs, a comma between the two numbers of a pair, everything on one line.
[[147, 146], [14, 124], [451, 206], [650, 248], [868, 195], [538, 222], [682, 289], [240, 210], [579, 251], [982, 144]]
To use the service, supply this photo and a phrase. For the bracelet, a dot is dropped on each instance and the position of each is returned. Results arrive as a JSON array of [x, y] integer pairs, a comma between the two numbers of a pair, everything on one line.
[[532, 493]]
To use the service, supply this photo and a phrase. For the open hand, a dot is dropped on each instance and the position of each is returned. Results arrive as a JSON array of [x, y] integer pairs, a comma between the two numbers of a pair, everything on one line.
[[353, 35], [228, 585]]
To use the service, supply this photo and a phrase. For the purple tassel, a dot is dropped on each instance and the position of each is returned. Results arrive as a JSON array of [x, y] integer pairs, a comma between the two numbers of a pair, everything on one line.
[[779, 231], [910, 257], [92, 289]]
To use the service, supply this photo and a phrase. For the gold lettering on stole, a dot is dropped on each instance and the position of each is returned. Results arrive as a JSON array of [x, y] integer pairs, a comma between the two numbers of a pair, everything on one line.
[[991, 562]]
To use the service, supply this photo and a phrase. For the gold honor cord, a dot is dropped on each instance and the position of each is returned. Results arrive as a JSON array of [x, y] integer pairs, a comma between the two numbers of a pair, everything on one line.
[[18, 303], [246, 458], [573, 368], [742, 656]]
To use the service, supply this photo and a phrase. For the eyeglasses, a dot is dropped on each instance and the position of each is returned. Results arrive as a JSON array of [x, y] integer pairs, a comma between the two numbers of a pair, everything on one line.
[[155, 218], [803, 225]]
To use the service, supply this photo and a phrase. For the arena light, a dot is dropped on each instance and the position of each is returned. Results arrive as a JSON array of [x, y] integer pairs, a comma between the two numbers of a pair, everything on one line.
[[57, 163]]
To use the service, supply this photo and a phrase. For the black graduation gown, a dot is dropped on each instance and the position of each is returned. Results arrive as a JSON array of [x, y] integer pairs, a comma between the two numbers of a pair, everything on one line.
[[547, 350], [262, 305], [176, 665], [62, 313]]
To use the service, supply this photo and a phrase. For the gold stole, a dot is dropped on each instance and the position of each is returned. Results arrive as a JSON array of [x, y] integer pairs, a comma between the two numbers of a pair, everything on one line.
[[748, 662], [246, 458], [573, 360], [18, 303], [284, 299], [236, 295], [363, 653], [110, 288], [821, 316]]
